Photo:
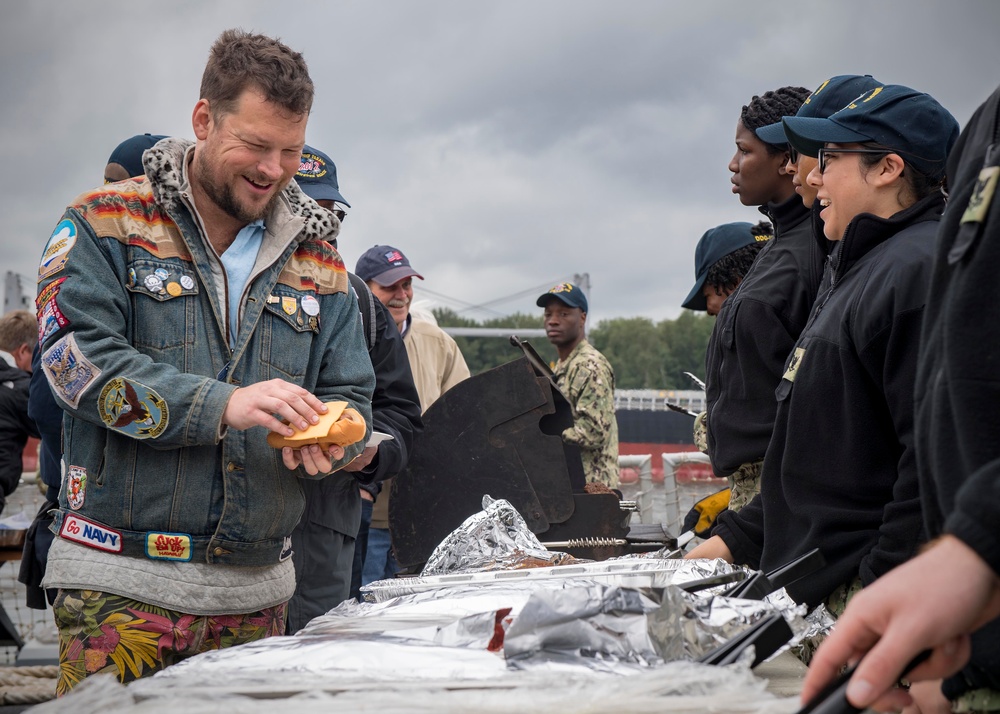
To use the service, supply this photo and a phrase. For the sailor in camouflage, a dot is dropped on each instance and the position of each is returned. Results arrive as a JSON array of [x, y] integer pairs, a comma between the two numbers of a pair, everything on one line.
[[585, 376]]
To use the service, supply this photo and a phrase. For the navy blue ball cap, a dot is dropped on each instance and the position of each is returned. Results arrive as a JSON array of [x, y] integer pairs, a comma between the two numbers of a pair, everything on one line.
[[829, 97], [128, 154], [567, 293], [385, 265], [715, 245], [910, 123], [317, 176]]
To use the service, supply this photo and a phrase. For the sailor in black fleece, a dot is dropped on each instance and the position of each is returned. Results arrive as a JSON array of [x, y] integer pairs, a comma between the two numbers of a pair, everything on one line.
[[953, 588], [759, 323], [840, 472]]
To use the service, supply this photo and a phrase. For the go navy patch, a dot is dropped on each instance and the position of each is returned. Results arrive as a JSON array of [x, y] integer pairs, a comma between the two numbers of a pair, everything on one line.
[[57, 250], [87, 532], [168, 546], [76, 488], [68, 371], [133, 409]]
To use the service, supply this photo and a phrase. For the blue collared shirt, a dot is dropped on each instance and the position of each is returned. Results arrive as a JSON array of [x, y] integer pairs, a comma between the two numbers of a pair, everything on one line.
[[238, 260]]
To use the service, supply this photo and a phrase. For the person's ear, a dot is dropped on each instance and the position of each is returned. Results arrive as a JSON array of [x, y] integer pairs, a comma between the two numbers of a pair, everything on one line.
[[889, 170], [782, 167], [201, 119], [22, 357]]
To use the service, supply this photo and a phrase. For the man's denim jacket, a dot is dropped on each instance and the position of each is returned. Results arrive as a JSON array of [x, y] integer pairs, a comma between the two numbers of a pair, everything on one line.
[[135, 348]]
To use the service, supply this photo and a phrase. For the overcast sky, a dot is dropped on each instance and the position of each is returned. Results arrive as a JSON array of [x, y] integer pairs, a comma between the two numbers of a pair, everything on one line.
[[502, 146]]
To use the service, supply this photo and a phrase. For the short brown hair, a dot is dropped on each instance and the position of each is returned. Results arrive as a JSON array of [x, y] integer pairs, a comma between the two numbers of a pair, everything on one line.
[[240, 60], [17, 327]]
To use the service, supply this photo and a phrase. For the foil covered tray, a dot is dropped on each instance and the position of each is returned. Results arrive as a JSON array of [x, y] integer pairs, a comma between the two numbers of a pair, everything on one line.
[[626, 572]]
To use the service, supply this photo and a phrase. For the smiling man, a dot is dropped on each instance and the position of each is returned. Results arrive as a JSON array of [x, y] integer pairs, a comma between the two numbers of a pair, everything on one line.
[[196, 309], [586, 379]]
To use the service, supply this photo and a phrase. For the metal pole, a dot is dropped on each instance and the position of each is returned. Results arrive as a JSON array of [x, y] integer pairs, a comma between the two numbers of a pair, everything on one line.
[[582, 281], [643, 499], [670, 463]]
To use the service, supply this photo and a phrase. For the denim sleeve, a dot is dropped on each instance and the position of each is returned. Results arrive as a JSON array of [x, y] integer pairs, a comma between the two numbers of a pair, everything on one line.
[[90, 346]]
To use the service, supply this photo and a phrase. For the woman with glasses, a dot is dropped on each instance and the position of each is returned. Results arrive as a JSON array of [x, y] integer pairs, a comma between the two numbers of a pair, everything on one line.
[[840, 472]]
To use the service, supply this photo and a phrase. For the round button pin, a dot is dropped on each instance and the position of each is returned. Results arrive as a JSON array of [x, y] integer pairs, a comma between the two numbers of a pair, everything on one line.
[[187, 282], [174, 288], [310, 305]]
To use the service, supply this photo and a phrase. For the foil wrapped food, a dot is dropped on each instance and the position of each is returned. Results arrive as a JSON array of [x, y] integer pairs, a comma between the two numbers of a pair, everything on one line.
[[496, 538]]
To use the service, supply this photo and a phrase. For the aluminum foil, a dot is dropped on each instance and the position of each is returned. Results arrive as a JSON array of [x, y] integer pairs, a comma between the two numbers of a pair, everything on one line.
[[628, 572], [674, 688], [533, 645], [496, 538]]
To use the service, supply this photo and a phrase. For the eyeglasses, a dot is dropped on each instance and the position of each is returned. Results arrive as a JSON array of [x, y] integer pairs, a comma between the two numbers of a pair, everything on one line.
[[824, 152], [340, 213], [793, 154]]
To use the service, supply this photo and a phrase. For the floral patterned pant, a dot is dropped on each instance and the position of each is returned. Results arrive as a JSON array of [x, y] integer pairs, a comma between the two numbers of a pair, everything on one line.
[[101, 632]]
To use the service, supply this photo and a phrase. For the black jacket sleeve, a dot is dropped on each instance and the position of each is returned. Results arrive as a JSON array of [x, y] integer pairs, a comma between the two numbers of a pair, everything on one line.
[[48, 417], [743, 532], [15, 426], [395, 404]]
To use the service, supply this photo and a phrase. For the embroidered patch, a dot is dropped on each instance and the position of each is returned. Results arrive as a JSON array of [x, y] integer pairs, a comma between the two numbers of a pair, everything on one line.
[[794, 363], [133, 409], [289, 304], [68, 371], [48, 292], [982, 195], [57, 250], [50, 317], [76, 487], [286, 550], [168, 546], [87, 532]]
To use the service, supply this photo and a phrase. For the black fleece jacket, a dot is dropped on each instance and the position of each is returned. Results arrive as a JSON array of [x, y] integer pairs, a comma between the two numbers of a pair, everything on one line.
[[840, 472], [958, 382], [15, 426], [754, 332]]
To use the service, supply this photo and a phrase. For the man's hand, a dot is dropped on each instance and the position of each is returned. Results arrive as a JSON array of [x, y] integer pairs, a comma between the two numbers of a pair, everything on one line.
[[257, 404], [714, 547], [363, 459], [931, 602], [312, 458]]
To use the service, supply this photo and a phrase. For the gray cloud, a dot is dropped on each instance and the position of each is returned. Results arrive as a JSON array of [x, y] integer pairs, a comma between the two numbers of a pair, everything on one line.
[[502, 146]]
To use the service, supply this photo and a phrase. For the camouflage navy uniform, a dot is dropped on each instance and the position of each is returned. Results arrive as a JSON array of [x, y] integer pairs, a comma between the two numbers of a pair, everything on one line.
[[587, 380]]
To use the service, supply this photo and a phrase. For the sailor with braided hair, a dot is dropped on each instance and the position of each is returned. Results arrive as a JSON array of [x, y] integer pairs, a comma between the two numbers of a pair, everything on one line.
[[769, 107], [761, 320]]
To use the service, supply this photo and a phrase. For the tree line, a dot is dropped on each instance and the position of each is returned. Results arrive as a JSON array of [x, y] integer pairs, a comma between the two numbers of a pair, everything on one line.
[[643, 353]]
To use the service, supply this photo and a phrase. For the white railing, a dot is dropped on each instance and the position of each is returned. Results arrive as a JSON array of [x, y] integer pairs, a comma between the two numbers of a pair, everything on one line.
[[655, 399]]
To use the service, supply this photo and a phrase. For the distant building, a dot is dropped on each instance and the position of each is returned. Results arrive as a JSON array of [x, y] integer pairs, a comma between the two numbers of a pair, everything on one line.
[[14, 294], [14, 297]]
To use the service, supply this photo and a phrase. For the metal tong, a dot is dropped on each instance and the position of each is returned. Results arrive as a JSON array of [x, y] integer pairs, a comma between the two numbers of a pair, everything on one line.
[[832, 699], [767, 636], [760, 585]]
